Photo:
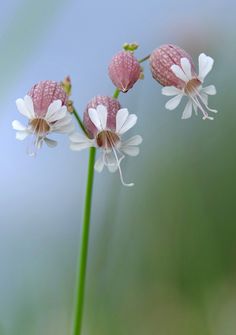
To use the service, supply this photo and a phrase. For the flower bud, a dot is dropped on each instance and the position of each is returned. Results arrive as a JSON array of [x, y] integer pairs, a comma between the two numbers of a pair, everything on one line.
[[124, 70], [130, 46], [112, 106], [44, 93], [161, 61], [66, 85]]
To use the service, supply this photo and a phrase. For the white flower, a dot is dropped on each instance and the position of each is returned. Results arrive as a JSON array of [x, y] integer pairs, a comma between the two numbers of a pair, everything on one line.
[[110, 141], [56, 119], [198, 96]]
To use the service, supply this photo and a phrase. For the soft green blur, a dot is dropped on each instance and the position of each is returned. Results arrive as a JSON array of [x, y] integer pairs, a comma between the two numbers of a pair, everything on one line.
[[162, 254]]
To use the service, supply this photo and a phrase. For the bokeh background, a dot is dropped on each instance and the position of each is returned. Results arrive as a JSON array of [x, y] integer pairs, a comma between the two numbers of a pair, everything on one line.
[[162, 254]]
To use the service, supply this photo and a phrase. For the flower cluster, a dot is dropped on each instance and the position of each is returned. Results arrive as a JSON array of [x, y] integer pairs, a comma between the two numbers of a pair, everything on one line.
[[48, 108]]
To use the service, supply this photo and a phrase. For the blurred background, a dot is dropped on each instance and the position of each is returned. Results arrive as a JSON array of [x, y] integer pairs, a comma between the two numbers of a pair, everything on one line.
[[161, 254]]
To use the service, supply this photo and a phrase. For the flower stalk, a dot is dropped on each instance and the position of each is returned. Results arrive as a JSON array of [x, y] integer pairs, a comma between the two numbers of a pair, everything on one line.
[[80, 122], [116, 94], [83, 254], [144, 59]]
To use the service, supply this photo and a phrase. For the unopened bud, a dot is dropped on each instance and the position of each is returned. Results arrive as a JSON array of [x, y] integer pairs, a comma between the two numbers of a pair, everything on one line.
[[130, 46], [124, 70], [66, 85]]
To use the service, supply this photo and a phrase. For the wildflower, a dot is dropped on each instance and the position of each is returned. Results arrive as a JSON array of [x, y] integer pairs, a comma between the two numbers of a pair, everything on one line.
[[124, 70], [45, 108], [106, 122], [173, 68]]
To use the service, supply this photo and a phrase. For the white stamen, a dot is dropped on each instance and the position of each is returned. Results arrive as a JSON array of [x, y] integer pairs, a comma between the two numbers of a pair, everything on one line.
[[205, 114], [208, 108], [196, 99], [35, 141], [31, 148], [118, 162]]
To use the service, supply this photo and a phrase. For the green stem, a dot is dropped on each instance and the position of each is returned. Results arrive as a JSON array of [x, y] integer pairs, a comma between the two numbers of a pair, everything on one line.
[[83, 254], [80, 122], [144, 59], [116, 93], [84, 240]]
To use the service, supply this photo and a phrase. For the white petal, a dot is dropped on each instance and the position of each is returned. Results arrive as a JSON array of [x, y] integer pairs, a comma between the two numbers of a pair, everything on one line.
[[186, 66], [21, 135], [66, 129], [64, 125], [80, 142], [129, 123], [110, 161], [39, 143], [174, 102], [171, 90], [80, 146], [77, 138], [102, 114], [187, 113], [176, 69], [29, 104], [54, 107], [205, 65], [23, 109], [98, 117], [204, 98], [121, 118], [18, 126], [135, 140], [55, 111], [62, 122], [210, 90], [112, 168], [99, 165], [130, 150], [50, 143], [195, 108]]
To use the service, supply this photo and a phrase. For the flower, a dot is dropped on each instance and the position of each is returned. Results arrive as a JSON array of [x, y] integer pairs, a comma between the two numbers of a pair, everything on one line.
[[173, 68], [45, 108], [124, 70], [106, 122]]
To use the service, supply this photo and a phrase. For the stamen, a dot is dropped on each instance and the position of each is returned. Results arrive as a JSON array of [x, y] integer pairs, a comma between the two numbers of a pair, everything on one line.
[[33, 145], [120, 172], [205, 114], [196, 97], [40, 129], [208, 108], [118, 163], [106, 137], [40, 126]]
